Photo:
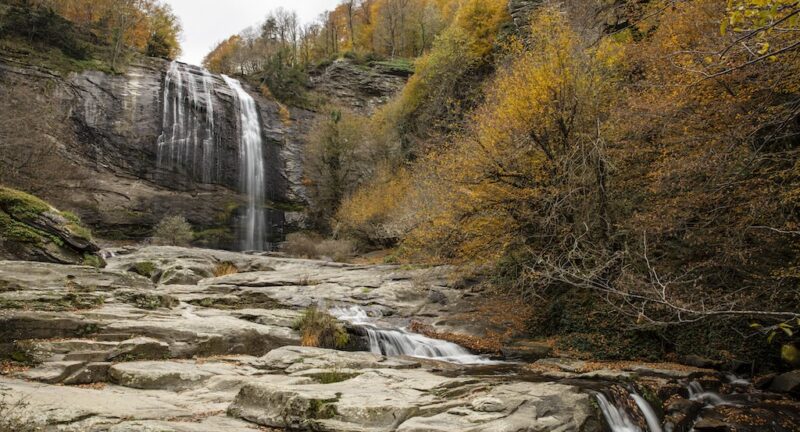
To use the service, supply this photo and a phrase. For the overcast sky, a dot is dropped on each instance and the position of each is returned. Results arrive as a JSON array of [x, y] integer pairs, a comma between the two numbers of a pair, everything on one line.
[[206, 22]]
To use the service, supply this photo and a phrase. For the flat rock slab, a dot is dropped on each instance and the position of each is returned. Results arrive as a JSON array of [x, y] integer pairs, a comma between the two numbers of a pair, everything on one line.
[[367, 397], [291, 359]]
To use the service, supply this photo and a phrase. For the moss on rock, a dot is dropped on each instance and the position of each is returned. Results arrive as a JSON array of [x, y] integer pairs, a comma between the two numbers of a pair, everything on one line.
[[31, 229]]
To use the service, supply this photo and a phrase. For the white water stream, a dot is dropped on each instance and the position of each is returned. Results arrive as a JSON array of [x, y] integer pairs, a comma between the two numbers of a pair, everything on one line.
[[394, 342], [187, 137], [252, 169]]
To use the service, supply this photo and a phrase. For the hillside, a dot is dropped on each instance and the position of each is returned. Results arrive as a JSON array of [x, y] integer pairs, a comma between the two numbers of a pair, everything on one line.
[[406, 215]]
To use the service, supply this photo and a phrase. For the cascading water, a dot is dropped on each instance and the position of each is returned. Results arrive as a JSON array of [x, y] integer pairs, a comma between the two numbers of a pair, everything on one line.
[[187, 137], [619, 420], [252, 172], [710, 399], [396, 342]]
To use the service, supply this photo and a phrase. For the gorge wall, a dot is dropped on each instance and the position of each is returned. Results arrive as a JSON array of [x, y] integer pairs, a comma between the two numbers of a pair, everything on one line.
[[161, 139]]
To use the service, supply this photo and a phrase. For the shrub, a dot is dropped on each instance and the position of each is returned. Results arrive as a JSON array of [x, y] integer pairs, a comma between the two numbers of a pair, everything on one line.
[[225, 268], [337, 250], [320, 329], [301, 245], [173, 231], [14, 417], [144, 268], [312, 246]]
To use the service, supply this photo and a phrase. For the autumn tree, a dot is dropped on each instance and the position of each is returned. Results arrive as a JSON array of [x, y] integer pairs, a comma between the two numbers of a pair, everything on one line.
[[340, 156]]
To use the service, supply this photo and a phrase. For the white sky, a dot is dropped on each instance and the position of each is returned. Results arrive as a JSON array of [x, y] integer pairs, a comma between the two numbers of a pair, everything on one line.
[[207, 22]]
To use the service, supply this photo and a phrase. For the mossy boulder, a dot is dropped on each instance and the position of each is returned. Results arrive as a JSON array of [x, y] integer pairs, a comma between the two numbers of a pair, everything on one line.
[[33, 230]]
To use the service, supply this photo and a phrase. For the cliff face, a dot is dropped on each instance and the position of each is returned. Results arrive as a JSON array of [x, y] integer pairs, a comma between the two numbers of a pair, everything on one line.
[[139, 164], [362, 89]]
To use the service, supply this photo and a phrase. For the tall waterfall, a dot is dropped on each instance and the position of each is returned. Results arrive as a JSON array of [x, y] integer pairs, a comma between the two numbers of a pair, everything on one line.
[[252, 168], [187, 138], [394, 342]]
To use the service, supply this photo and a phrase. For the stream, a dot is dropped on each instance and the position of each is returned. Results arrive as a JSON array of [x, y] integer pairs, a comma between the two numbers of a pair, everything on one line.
[[623, 407]]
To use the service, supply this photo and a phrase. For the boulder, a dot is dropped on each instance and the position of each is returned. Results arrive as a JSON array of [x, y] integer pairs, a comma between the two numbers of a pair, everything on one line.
[[787, 383], [33, 230], [291, 359], [172, 376], [527, 351]]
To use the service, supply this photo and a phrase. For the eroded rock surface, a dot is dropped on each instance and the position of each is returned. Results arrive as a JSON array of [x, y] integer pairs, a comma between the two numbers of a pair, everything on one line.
[[130, 348], [156, 341]]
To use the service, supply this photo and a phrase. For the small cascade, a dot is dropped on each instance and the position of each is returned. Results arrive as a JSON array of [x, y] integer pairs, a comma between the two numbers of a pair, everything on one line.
[[251, 169], [709, 398], [620, 419], [186, 143], [395, 342], [649, 413], [617, 418]]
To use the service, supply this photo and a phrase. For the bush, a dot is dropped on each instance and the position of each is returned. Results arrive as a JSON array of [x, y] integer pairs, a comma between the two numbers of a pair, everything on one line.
[[337, 250], [14, 417], [173, 231], [301, 245], [312, 246], [225, 268], [321, 330]]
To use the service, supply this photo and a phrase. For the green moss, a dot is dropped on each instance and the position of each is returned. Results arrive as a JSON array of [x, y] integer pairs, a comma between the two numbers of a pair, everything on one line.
[[87, 329], [75, 226], [21, 206], [67, 302], [18, 209], [244, 300], [147, 301], [144, 268], [14, 231], [92, 261], [322, 409], [400, 66]]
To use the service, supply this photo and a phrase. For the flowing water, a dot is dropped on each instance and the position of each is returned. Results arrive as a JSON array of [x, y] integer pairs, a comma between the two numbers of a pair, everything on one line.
[[394, 342], [617, 418], [710, 399], [620, 420], [251, 161], [186, 143]]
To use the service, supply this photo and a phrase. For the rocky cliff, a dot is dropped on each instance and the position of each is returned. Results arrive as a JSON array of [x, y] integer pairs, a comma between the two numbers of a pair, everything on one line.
[[117, 124]]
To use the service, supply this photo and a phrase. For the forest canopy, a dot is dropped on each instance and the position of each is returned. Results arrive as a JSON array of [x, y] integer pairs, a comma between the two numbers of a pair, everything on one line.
[[146, 26]]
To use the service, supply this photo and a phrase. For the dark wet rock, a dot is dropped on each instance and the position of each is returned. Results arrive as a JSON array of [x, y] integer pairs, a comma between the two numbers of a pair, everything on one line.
[[787, 383], [764, 381], [680, 414], [526, 351]]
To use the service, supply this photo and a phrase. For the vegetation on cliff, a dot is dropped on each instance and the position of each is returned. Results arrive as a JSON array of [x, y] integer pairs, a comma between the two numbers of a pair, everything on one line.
[[90, 34], [647, 176]]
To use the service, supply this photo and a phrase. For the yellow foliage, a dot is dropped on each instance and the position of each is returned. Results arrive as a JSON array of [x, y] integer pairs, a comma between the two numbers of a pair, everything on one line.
[[373, 213], [510, 166], [481, 20]]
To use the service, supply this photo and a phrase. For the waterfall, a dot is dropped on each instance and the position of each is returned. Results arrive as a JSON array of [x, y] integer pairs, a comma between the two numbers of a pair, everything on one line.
[[186, 143], [251, 168], [649, 413], [395, 342], [617, 418], [697, 393], [620, 421]]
